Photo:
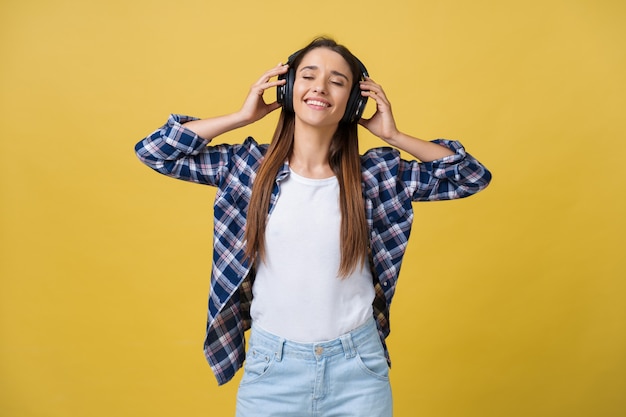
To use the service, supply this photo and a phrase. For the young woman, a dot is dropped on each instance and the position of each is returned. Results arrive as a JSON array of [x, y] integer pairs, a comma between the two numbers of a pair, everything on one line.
[[309, 235]]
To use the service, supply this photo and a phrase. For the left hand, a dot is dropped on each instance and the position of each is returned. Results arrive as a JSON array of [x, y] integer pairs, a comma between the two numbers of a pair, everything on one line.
[[382, 123]]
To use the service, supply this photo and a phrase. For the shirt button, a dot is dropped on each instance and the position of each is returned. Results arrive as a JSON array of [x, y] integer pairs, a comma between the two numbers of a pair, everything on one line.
[[319, 350]]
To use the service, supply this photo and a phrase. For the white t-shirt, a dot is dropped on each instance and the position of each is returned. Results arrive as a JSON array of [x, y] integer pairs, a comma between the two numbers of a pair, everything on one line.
[[297, 293]]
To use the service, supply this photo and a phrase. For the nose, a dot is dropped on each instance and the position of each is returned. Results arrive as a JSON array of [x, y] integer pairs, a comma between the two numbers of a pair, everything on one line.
[[320, 88]]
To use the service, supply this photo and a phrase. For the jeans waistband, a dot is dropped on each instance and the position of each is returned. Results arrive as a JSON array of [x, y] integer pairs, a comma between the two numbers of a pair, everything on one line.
[[345, 344]]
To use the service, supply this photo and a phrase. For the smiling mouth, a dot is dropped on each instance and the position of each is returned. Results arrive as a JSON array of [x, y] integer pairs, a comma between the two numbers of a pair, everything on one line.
[[317, 103]]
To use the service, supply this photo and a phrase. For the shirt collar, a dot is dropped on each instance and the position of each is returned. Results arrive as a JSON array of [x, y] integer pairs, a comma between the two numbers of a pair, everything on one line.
[[283, 172]]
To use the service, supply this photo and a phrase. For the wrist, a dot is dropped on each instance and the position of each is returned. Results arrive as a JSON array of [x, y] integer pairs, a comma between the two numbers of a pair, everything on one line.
[[241, 119], [393, 138]]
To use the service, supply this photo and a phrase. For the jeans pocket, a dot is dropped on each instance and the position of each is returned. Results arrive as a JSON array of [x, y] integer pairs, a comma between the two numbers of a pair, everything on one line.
[[373, 362], [258, 363]]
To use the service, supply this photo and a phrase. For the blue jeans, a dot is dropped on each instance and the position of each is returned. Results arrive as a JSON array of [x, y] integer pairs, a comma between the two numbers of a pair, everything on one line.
[[347, 376]]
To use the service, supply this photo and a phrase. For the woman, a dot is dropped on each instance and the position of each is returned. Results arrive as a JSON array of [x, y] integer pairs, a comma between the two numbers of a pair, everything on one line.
[[309, 235]]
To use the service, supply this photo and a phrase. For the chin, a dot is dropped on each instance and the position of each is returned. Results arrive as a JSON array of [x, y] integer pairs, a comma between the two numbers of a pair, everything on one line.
[[325, 123], [318, 119]]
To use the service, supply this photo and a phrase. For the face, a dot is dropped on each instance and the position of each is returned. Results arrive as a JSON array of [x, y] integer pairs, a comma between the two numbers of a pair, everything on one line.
[[321, 88]]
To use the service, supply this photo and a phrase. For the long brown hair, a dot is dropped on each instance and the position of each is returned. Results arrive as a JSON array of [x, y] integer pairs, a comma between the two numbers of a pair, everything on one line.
[[344, 160]]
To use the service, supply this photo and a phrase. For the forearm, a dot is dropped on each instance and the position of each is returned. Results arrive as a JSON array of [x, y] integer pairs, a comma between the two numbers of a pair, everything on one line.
[[423, 150], [214, 126]]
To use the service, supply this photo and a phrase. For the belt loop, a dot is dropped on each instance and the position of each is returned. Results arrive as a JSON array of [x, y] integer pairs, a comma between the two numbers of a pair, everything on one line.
[[348, 346], [279, 350]]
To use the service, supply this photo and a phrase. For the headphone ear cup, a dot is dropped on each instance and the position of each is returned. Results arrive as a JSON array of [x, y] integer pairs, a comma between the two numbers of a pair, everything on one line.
[[356, 102], [284, 93], [290, 76], [355, 106], [280, 91]]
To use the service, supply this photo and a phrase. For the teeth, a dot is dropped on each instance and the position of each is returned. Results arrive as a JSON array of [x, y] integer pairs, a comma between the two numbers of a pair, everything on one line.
[[317, 103]]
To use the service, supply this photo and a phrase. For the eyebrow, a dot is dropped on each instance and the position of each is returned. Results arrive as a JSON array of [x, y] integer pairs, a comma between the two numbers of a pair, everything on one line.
[[315, 67]]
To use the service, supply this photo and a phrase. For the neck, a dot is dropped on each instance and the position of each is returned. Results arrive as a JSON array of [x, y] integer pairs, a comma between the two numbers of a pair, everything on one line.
[[309, 156]]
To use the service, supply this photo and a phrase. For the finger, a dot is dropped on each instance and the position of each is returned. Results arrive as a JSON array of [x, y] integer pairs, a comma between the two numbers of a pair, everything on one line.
[[260, 87], [274, 83], [370, 82], [368, 78], [372, 87], [277, 70], [378, 97]]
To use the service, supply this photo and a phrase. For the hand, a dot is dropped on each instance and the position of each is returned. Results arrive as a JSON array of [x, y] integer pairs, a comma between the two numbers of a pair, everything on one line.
[[382, 123], [255, 107]]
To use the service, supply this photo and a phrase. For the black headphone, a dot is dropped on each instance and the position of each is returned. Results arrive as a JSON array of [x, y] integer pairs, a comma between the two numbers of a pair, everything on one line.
[[356, 102]]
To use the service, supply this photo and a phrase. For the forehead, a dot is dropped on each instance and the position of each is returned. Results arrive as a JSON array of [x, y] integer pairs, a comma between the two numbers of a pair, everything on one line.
[[325, 58]]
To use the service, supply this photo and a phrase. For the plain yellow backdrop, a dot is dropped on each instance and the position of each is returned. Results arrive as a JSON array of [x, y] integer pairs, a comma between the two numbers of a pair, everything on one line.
[[510, 303]]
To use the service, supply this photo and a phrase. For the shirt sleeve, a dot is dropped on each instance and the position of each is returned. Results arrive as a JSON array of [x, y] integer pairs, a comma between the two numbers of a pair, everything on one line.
[[455, 176], [176, 151]]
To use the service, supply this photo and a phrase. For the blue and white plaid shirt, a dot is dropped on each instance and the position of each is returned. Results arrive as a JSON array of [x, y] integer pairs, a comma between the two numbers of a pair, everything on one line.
[[389, 184]]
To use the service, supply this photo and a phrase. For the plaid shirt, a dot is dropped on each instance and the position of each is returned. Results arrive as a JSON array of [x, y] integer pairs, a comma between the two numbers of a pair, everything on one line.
[[389, 185]]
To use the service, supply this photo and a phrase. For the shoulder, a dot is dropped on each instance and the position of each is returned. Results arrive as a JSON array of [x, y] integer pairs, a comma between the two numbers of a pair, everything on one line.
[[249, 150], [381, 155], [251, 147], [381, 163]]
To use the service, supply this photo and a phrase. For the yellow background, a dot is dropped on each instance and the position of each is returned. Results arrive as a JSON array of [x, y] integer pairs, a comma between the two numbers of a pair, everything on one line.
[[511, 303]]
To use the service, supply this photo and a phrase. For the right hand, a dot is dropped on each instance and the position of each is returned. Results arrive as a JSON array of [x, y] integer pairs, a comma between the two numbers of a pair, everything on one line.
[[255, 107]]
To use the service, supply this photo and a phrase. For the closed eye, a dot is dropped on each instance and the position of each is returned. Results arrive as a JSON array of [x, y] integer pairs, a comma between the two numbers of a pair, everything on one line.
[[314, 68]]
